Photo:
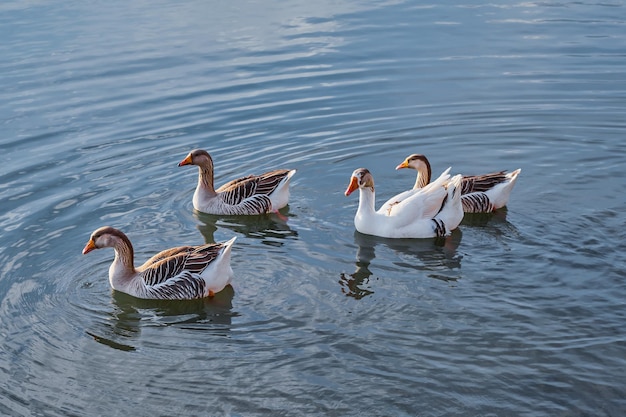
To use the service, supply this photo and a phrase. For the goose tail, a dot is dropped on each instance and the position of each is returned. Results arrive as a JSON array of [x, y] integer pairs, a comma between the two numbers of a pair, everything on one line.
[[499, 195]]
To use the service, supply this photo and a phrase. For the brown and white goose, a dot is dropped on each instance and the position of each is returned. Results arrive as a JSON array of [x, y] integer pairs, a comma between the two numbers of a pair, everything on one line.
[[254, 194], [480, 193], [181, 273]]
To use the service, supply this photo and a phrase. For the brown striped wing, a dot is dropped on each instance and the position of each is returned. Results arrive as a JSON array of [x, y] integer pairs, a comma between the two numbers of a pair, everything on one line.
[[186, 286], [485, 182], [172, 262], [236, 191], [477, 202]]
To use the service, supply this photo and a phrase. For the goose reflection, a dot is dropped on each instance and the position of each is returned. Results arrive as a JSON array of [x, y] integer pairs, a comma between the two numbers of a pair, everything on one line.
[[130, 314], [482, 219], [270, 228], [437, 256]]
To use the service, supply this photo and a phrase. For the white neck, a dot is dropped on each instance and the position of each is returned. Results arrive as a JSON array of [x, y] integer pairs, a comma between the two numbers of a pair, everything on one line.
[[367, 201]]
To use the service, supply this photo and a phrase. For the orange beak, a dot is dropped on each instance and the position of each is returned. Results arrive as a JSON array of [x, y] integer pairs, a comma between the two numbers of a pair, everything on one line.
[[89, 247], [186, 161], [403, 165], [354, 184]]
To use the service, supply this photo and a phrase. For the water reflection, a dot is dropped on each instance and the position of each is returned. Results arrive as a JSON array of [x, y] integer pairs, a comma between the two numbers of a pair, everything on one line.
[[356, 285], [482, 219], [437, 256], [270, 228], [131, 314]]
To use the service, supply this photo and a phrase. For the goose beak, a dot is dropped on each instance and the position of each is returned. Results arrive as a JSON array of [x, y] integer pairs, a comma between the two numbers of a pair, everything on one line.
[[403, 165], [354, 184], [91, 245], [186, 161]]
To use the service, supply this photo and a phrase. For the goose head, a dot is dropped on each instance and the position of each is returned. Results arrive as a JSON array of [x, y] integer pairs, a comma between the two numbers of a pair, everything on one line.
[[361, 178], [198, 157], [415, 161], [105, 237], [419, 163]]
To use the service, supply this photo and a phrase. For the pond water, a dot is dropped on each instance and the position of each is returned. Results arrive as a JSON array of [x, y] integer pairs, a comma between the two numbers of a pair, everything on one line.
[[519, 313]]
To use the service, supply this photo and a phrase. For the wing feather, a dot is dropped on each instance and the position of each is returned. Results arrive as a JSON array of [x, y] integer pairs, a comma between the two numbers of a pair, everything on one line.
[[477, 202], [236, 191], [269, 181], [167, 264], [485, 182], [251, 194], [183, 287], [423, 203]]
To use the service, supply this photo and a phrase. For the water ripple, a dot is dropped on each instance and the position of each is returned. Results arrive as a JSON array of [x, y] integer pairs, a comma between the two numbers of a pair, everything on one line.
[[514, 312]]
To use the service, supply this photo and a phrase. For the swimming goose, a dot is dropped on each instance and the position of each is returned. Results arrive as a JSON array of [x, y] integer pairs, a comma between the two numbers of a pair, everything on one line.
[[254, 194], [480, 193], [432, 211], [181, 273]]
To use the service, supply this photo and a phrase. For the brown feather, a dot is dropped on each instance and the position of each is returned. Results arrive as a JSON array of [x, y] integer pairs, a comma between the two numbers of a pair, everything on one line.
[[173, 261], [485, 182]]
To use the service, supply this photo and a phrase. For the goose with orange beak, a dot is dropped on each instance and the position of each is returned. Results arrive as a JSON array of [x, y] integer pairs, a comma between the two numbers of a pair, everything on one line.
[[180, 273], [479, 193], [251, 195], [433, 211]]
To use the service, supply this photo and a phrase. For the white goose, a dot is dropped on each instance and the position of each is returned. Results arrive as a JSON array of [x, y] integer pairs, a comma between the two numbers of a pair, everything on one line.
[[432, 211], [480, 193], [254, 194], [181, 273]]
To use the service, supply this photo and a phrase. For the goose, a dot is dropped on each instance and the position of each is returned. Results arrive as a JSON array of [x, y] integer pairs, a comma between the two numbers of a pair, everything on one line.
[[180, 273], [254, 194], [480, 193], [433, 211]]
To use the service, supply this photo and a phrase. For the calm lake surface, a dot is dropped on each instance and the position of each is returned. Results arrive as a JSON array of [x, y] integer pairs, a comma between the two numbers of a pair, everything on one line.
[[519, 313]]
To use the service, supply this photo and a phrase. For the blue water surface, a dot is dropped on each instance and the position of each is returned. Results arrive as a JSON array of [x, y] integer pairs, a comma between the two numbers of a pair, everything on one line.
[[517, 313]]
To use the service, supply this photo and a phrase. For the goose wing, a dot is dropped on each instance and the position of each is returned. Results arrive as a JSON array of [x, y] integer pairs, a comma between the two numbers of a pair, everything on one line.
[[419, 206], [237, 191], [396, 202], [477, 183], [476, 202], [172, 262], [424, 203], [184, 286]]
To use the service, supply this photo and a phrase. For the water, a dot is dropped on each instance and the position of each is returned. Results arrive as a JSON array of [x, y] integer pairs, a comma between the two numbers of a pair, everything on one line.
[[516, 314]]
